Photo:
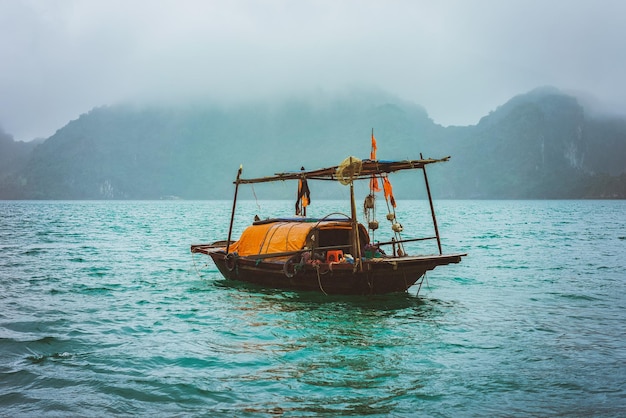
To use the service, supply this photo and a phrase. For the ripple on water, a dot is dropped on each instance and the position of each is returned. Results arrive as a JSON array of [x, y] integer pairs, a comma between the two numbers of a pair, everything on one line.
[[105, 312]]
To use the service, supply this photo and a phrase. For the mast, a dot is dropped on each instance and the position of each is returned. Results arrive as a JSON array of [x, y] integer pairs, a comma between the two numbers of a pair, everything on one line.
[[356, 245], [432, 208], [232, 214]]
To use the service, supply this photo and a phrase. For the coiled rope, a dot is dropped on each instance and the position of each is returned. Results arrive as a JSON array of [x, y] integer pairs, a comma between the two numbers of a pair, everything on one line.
[[348, 170]]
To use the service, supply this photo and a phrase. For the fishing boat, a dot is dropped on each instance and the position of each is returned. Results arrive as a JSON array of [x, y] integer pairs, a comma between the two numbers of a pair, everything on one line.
[[332, 254]]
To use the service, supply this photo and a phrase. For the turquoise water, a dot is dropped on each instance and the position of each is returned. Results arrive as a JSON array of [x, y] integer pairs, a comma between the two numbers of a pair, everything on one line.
[[103, 311]]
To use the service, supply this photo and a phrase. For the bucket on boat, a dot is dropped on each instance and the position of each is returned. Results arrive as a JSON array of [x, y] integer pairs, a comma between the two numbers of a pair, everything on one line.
[[334, 256]]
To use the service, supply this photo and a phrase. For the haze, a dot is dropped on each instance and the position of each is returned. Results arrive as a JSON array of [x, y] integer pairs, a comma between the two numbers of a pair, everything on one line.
[[459, 59]]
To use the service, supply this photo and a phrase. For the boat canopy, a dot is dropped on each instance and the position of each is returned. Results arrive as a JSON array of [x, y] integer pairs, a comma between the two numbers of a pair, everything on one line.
[[366, 169], [277, 237]]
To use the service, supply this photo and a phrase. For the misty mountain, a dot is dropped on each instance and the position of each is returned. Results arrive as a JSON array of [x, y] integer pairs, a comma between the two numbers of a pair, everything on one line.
[[538, 145], [13, 157]]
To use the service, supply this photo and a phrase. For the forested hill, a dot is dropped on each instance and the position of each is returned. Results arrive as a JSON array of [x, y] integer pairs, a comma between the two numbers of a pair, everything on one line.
[[13, 157], [538, 145]]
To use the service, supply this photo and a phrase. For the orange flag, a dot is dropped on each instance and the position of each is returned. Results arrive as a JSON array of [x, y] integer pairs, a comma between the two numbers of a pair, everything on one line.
[[374, 148], [374, 184], [388, 191], [374, 181]]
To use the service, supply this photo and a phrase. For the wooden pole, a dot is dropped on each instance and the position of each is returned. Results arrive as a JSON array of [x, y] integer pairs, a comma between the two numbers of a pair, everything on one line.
[[355, 226], [432, 208], [232, 214]]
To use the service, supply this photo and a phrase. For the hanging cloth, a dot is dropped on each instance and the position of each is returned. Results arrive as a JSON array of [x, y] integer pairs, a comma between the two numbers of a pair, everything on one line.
[[374, 187], [304, 196], [388, 191]]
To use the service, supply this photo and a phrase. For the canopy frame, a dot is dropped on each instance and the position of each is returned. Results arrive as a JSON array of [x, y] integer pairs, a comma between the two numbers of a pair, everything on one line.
[[369, 168]]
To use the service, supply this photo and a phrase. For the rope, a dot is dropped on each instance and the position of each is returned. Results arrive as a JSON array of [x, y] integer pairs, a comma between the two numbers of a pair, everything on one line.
[[393, 219], [256, 200], [319, 280], [195, 267], [421, 282], [348, 170]]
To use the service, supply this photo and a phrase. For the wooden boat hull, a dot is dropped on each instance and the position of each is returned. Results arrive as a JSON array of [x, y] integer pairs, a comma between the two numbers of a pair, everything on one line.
[[378, 276]]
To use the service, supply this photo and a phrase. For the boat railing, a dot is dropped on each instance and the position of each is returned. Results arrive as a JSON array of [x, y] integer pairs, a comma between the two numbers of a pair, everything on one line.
[[394, 242], [400, 241]]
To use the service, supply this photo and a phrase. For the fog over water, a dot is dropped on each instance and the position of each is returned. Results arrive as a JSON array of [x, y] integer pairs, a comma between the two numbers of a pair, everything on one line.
[[458, 59]]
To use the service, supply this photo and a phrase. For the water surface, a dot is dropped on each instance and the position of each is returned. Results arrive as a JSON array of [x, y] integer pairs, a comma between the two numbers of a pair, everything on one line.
[[105, 312]]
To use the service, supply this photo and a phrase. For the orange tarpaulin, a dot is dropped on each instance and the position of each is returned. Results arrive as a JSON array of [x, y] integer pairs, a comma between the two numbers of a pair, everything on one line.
[[272, 238], [278, 237]]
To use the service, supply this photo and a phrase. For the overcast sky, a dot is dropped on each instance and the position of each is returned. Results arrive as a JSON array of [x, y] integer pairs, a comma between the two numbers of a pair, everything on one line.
[[459, 59]]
